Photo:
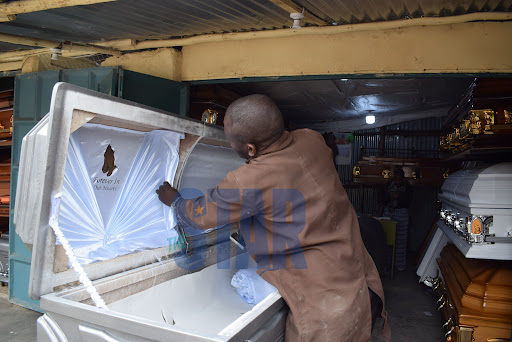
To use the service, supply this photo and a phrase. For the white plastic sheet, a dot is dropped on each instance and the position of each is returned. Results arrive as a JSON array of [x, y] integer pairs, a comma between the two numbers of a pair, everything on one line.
[[251, 287], [204, 170], [109, 206]]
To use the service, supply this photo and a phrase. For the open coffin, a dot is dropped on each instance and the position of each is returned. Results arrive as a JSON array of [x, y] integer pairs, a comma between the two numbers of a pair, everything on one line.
[[153, 290]]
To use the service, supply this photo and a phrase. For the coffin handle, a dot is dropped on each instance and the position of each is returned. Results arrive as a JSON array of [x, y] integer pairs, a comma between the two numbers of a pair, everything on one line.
[[442, 305], [448, 334], [447, 322]]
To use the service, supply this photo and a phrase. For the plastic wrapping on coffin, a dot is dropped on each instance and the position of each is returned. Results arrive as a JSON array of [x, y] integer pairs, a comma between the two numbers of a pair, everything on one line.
[[104, 216], [68, 304]]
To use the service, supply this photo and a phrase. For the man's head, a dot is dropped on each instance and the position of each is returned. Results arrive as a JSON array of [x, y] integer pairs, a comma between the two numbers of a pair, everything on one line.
[[398, 175], [253, 123]]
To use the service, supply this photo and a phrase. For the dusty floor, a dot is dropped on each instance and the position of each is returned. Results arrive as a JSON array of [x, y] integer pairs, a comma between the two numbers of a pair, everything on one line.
[[410, 305], [16, 322]]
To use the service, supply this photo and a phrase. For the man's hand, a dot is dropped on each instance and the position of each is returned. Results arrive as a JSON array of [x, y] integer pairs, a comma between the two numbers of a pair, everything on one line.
[[166, 193]]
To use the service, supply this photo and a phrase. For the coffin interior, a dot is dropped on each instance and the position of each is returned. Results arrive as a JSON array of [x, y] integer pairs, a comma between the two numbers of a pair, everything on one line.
[[71, 108]]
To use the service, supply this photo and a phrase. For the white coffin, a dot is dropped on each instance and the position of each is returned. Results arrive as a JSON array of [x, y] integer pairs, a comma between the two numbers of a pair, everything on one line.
[[476, 211], [481, 190], [483, 193], [427, 269], [149, 296]]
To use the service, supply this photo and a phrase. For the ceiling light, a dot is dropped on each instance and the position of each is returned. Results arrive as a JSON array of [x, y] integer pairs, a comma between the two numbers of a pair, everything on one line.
[[370, 119]]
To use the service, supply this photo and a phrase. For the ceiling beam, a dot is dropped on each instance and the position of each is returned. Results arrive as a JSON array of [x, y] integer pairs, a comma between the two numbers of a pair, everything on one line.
[[435, 49], [11, 66], [131, 45], [27, 41], [74, 49], [291, 7], [22, 53], [7, 17], [27, 6], [66, 47]]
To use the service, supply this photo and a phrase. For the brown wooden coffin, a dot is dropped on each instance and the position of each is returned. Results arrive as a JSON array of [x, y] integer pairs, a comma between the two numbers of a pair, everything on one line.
[[475, 297], [417, 171], [481, 122]]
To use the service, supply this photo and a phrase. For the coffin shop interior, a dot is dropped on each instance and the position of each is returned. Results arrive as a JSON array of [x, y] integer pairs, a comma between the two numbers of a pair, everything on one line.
[[422, 87]]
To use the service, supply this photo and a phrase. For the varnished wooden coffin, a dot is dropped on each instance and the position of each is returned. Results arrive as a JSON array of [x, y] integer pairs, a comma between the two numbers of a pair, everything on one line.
[[417, 171], [474, 296]]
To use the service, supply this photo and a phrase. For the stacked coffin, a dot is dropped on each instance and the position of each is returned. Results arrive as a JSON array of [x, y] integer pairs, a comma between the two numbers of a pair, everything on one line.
[[474, 296], [480, 125], [417, 171], [6, 110]]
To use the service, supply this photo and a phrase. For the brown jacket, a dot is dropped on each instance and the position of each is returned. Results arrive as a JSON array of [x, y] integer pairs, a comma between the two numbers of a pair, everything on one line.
[[291, 202]]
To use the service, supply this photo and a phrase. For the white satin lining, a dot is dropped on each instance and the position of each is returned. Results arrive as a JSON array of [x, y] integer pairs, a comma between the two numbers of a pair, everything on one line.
[[137, 219]]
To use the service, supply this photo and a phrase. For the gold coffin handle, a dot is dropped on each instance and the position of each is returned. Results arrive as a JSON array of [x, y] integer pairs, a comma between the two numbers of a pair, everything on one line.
[[436, 282], [498, 340], [449, 332], [447, 322], [442, 304]]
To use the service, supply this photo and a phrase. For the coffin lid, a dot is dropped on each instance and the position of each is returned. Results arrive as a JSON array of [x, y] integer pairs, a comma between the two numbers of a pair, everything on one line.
[[486, 187], [481, 287], [42, 166]]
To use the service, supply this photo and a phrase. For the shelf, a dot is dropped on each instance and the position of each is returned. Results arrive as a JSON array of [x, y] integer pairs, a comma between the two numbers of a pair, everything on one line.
[[485, 147]]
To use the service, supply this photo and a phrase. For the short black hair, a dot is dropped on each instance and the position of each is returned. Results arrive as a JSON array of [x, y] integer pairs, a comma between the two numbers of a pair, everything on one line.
[[256, 119], [399, 171]]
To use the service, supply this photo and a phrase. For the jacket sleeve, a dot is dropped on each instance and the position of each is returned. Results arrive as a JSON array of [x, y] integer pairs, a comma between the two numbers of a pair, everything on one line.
[[219, 206]]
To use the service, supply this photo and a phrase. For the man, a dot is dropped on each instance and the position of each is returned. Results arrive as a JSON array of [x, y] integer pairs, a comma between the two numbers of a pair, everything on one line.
[[297, 223], [398, 195]]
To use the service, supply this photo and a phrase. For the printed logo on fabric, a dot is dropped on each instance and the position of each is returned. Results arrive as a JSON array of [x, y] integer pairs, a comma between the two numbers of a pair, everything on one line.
[[109, 161], [199, 211]]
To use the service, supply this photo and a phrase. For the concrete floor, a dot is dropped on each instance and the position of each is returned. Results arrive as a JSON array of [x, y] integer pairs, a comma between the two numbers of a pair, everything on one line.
[[16, 322], [411, 306], [413, 315]]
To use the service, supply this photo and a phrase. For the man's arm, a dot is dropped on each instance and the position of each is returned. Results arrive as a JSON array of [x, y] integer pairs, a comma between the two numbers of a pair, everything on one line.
[[219, 206]]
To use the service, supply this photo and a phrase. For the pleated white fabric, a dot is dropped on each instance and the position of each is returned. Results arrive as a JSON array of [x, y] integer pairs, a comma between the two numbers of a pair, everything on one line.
[[109, 206]]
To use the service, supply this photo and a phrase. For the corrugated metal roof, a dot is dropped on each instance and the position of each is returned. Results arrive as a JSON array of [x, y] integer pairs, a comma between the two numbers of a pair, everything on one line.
[[156, 19], [357, 11], [307, 102], [148, 19], [411, 146]]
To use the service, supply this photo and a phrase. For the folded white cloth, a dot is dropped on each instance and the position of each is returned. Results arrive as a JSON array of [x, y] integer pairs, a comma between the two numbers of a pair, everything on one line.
[[250, 286]]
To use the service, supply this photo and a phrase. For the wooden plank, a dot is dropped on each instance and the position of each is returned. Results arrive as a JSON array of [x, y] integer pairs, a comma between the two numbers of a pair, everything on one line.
[[11, 66], [65, 47], [5, 18], [7, 94], [28, 6], [4, 210], [6, 103], [22, 53], [28, 41]]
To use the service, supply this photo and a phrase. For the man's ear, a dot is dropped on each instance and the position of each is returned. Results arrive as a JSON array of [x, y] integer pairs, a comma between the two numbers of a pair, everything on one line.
[[251, 150]]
